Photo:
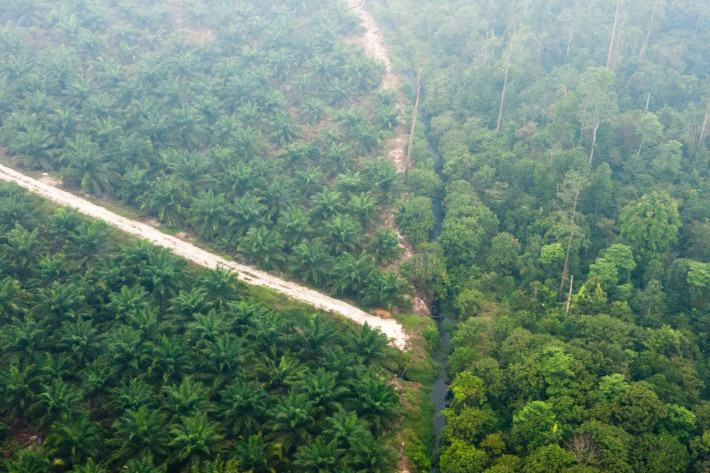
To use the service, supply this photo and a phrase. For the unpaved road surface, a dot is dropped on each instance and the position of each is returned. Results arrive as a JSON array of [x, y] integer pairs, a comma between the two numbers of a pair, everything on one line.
[[373, 43], [249, 275]]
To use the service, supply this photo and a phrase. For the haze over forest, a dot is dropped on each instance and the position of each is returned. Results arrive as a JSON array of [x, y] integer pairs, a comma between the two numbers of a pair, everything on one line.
[[517, 189]]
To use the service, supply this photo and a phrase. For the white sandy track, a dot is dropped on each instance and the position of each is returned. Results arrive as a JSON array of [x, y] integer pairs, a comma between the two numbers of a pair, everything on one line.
[[389, 327], [373, 43]]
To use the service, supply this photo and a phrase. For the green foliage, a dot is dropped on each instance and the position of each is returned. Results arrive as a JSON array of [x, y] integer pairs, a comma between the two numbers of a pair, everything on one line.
[[124, 361], [651, 225], [535, 425], [213, 123], [551, 254], [462, 458], [551, 458], [416, 219]]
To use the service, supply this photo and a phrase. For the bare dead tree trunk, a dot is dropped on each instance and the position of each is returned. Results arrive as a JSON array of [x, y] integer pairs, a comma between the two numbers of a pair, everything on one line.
[[569, 43], [595, 127], [705, 124], [638, 153], [569, 295], [408, 160], [648, 100], [569, 244], [507, 69], [613, 35], [505, 85], [648, 32]]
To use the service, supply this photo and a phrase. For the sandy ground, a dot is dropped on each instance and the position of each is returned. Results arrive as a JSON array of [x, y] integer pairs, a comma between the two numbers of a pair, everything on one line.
[[372, 42], [389, 327]]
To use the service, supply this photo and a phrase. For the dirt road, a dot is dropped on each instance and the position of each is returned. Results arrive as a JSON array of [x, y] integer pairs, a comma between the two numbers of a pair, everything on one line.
[[389, 327], [373, 43]]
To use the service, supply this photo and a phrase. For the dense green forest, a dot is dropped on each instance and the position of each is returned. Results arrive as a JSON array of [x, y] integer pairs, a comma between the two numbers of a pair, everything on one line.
[[566, 141], [557, 206], [114, 356], [253, 124]]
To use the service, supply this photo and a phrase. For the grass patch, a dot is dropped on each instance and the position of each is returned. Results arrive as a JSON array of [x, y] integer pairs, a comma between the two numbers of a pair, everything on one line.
[[416, 434]]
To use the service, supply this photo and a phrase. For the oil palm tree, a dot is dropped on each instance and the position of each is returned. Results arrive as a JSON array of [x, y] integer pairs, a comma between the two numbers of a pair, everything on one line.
[[293, 226], [23, 248], [55, 402], [350, 274], [323, 389], [96, 378], [90, 239], [90, 467], [144, 463], [337, 157], [221, 286], [64, 221], [385, 289], [134, 394], [140, 432], [293, 418], [385, 246], [208, 211], [15, 208], [27, 460], [147, 324], [224, 357], [283, 129], [368, 344], [346, 429], [277, 375], [187, 399], [378, 402], [22, 338], [14, 300], [54, 367], [162, 277], [258, 455], [319, 456], [35, 147], [87, 167], [185, 304], [243, 406], [309, 179], [167, 199], [125, 347], [344, 234], [193, 439], [364, 207], [263, 245], [80, 339], [133, 184], [278, 195], [205, 329], [310, 261], [75, 440], [170, 360], [128, 301], [246, 212], [371, 454], [314, 336], [326, 204], [16, 391], [382, 175]]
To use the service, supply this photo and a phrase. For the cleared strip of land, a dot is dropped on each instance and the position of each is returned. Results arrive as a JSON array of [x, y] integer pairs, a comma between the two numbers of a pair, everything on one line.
[[248, 274]]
